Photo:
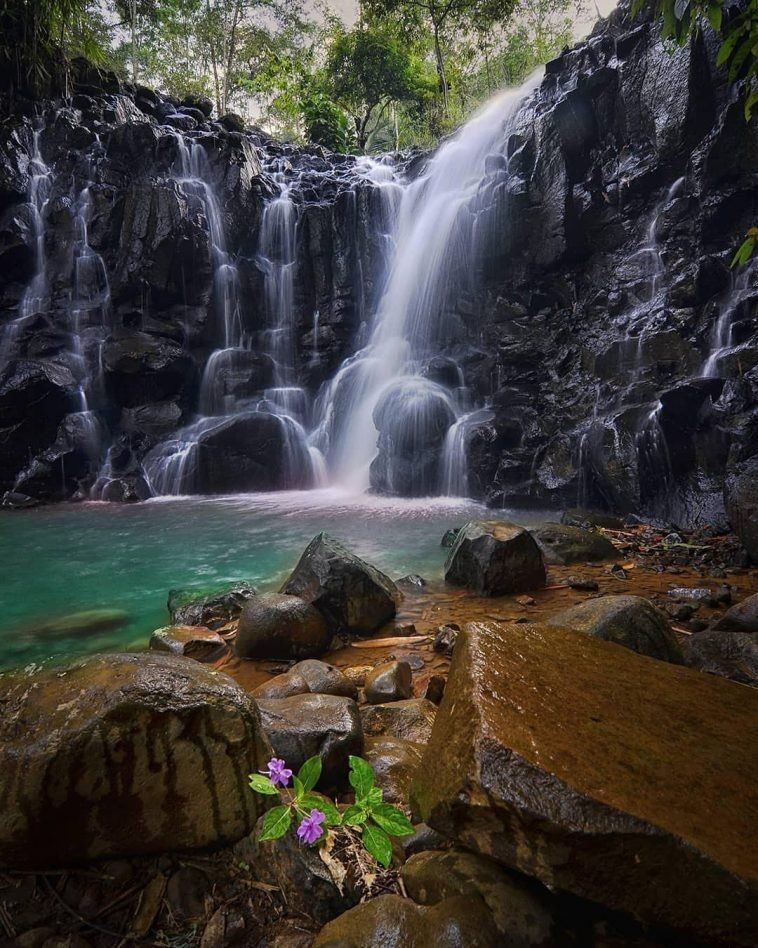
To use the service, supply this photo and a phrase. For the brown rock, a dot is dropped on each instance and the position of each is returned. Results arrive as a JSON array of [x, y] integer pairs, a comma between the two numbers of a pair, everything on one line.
[[630, 621], [741, 618], [124, 755], [393, 922], [395, 762], [630, 782], [410, 720], [392, 681], [562, 544], [192, 641], [520, 907]]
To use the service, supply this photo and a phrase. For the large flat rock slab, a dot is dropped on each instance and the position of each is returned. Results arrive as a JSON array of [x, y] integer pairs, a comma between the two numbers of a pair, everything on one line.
[[122, 755], [623, 779]]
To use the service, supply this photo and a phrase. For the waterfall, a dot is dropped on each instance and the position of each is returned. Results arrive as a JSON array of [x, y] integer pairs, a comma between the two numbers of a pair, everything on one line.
[[171, 468], [721, 342], [36, 296], [455, 456], [433, 253]]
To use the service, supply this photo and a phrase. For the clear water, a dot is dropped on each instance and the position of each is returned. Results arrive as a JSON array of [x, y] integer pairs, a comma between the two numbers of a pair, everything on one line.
[[75, 558]]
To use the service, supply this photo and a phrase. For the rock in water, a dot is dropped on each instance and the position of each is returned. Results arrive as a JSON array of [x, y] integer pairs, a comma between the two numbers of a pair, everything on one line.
[[495, 558], [392, 922], [213, 608], [351, 595], [192, 641], [78, 624], [124, 755], [630, 621], [562, 544], [626, 781], [276, 626]]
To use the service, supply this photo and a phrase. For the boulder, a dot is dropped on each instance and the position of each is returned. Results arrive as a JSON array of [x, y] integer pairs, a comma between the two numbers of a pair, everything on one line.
[[556, 753], [304, 725], [395, 762], [630, 621], [124, 755], [277, 626], [298, 872], [192, 641], [325, 679], [587, 519], [520, 908], [409, 720], [212, 608], [732, 655], [140, 368], [392, 681], [562, 544], [740, 618], [353, 596], [394, 922], [308, 676], [495, 558]]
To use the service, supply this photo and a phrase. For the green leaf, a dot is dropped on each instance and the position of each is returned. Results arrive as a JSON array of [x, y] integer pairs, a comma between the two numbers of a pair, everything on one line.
[[377, 842], [744, 252], [750, 103], [310, 772], [298, 787], [725, 50], [354, 816], [374, 796], [313, 801], [392, 820], [262, 784], [361, 776], [275, 823], [715, 15]]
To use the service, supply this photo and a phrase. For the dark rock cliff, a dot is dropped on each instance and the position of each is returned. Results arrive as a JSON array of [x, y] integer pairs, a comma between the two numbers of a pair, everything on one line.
[[616, 351]]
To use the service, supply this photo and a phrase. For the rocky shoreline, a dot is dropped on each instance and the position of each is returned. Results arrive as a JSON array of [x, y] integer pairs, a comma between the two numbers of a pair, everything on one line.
[[557, 720]]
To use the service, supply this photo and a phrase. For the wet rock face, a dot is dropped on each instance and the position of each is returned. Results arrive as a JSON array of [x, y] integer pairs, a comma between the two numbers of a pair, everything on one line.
[[125, 755], [663, 749], [630, 621], [352, 595], [280, 627], [494, 558], [305, 725]]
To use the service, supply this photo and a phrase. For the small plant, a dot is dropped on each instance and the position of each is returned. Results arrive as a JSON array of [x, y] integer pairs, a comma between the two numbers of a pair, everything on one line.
[[317, 817]]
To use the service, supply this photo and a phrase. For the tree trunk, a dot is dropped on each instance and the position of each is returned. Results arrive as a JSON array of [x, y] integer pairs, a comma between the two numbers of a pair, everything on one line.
[[133, 18], [440, 66]]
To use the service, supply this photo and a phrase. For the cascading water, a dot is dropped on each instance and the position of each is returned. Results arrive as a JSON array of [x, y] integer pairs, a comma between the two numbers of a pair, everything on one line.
[[434, 253], [722, 342], [172, 467]]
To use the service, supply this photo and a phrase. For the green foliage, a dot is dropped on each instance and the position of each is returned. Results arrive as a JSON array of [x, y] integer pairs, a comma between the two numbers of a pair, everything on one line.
[[747, 248], [379, 821]]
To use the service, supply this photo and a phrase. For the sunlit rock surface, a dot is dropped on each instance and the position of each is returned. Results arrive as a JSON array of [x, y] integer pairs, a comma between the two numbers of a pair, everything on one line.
[[627, 781]]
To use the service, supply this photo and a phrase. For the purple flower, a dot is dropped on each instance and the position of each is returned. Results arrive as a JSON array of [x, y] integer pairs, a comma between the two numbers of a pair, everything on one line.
[[278, 773], [310, 829]]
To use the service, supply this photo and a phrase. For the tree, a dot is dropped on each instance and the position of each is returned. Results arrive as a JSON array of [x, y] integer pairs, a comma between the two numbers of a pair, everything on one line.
[[442, 17], [367, 70]]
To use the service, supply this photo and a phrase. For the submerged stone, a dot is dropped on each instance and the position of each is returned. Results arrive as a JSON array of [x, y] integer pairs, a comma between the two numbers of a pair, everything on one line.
[[352, 595], [494, 558], [629, 782], [76, 624], [630, 621], [124, 755]]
